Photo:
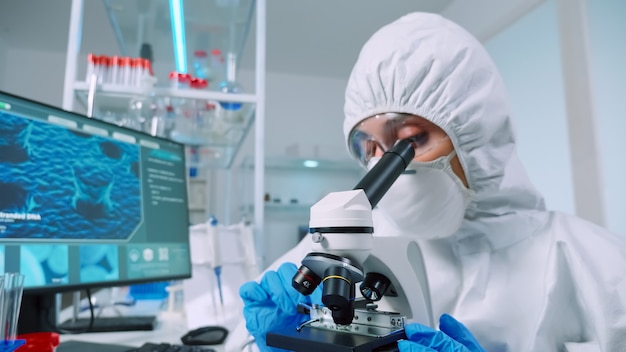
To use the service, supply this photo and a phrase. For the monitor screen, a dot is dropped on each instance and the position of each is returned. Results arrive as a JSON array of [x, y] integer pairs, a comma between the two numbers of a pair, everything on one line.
[[85, 204]]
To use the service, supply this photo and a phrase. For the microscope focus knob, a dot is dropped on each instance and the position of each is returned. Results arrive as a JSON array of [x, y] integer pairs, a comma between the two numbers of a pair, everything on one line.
[[374, 286], [317, 237]]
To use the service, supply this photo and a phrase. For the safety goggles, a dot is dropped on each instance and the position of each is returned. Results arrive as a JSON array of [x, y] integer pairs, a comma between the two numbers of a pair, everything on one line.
[[377, 134]]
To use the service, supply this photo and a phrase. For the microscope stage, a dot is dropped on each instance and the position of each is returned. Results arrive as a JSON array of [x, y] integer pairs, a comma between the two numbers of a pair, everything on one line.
[[311, 339]]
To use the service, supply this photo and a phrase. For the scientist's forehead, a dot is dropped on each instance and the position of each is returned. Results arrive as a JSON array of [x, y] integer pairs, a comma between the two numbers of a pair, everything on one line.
[[395, 119]]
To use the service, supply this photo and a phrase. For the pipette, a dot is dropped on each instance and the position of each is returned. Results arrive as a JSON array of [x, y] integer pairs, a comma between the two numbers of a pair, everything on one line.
[[218, 275], [247, 241], [217, 254]]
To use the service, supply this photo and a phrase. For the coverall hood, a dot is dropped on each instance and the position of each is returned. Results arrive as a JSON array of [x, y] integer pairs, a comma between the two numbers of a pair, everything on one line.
[[426, 65]]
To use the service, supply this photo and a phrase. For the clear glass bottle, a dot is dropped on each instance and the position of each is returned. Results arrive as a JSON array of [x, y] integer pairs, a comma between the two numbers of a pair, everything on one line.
[[156, 126], [170, 120], [201, 68], [231, 111], [141, 112], [191, 121], [217, 66], [200, 124]]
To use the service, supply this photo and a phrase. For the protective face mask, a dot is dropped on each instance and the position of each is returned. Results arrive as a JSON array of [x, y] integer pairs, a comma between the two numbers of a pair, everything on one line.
[[428, 200]]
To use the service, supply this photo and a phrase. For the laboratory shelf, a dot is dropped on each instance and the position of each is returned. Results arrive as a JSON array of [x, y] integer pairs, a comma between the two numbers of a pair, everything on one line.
[[147, 29], [292, 187], [120, 94], [287, 207], [220, 144], [109, 97], [312, 164]]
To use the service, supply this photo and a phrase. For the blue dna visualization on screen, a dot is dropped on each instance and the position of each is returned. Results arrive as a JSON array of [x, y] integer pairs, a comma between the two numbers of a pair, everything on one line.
[[84, 202]]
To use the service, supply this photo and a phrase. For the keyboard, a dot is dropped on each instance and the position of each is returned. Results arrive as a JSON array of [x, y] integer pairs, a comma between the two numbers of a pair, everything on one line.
[[108, 324], [167, 347]]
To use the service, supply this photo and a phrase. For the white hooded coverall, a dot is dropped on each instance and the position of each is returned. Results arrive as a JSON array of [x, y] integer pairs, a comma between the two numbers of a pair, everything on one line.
[[521, 278]]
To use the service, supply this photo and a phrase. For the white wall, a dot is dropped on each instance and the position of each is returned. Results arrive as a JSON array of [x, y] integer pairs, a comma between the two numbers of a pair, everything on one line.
[[304, 113], [303, 118], [527, 55], [607, 31], [3, 53], [34, 74]]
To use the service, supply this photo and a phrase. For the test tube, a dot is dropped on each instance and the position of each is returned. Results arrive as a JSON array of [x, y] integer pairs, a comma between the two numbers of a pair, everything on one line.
[[106, 69], [100, 68], [114, 70], [125, 70], [142, 67], [135, 71], [140, 73], [12, 290], [91, 66]]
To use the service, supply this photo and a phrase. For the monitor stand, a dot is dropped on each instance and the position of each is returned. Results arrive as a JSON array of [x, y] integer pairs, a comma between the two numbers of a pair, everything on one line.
[[38, 313], [118, 322]]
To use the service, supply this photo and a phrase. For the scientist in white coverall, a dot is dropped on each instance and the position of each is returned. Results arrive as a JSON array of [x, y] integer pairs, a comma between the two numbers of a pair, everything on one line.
[[518, 277]]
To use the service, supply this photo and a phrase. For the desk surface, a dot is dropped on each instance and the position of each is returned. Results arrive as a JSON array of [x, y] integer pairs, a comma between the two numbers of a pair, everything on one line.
[[167, 330], [82, 346], [170, 327], [201, 305]]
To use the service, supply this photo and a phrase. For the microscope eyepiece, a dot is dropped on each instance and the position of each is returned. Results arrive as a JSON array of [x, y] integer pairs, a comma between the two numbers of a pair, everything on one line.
[[379, 179]]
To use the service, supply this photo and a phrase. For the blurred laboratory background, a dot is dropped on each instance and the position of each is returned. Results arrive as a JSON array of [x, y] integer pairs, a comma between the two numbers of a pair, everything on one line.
[[563, 62]]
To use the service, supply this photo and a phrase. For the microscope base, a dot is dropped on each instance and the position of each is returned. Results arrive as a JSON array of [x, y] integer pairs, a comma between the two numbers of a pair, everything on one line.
[[314, 339]]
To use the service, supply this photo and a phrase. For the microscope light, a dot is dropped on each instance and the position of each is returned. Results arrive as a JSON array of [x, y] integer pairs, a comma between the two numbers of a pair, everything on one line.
[[311, 163], [178, 35]]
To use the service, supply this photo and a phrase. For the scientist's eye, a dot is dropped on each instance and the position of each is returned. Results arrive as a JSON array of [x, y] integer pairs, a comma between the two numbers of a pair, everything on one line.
[[419, 140], [411, 130], [371, 148]]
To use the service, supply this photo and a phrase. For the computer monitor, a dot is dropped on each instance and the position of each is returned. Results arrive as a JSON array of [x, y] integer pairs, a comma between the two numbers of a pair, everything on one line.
[[86, 204]]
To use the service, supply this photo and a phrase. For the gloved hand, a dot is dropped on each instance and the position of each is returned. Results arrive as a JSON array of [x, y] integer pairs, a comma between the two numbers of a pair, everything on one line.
[[272, 303], [452, 337]]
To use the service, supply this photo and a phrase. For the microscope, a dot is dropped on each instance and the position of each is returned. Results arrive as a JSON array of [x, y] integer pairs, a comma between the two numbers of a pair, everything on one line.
[[393, 285]]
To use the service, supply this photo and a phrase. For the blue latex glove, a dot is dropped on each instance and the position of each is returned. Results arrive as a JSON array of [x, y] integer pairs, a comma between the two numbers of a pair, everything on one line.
[[452, 337], [272, 304]]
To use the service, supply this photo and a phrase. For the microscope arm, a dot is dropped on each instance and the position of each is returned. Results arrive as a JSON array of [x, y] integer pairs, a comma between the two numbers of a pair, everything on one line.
[[399, 258]]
